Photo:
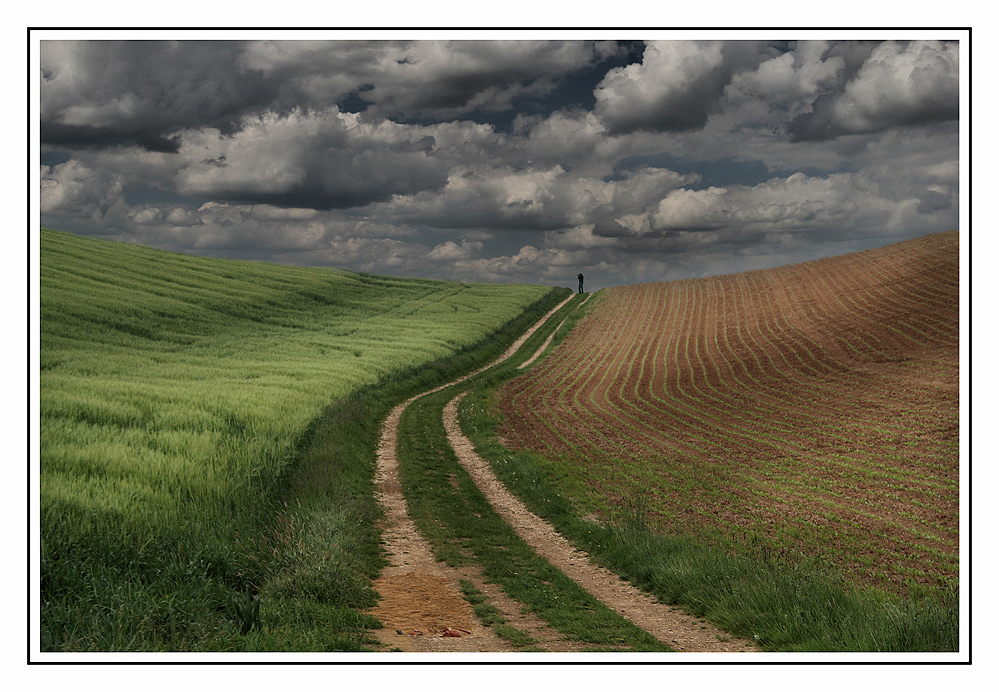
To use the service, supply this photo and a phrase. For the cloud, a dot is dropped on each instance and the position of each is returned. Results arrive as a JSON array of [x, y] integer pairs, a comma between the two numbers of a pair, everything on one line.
[[72, 188], [899, 84], [319, 160], [796, 203], [675, 87], [450, 250], [377, 255], [141, 93], [448, 78], [412, 80], [529, 264], [784, 86], [502, 161], [114, 93], [506, 199]]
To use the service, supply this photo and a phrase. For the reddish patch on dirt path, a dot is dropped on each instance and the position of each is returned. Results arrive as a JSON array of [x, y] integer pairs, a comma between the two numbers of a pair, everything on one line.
[[813, 407]]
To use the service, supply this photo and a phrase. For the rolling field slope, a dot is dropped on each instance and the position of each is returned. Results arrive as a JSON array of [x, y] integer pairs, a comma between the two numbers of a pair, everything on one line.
[[178, 396], [809, 411]]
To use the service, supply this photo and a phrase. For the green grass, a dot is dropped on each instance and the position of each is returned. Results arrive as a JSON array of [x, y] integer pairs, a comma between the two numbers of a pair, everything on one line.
[[740, 412], [486, 612], [207, 435], [736, 420], [517, 637]]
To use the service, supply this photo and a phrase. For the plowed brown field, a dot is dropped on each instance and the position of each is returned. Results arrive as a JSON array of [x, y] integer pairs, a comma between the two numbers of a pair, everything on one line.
[[810, 409]]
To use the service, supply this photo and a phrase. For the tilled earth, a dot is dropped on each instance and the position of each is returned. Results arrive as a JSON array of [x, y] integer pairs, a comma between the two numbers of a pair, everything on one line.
[[813, 406]]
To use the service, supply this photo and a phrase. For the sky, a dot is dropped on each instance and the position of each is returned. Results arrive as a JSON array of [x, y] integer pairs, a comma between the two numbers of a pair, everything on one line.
[[511, 160]]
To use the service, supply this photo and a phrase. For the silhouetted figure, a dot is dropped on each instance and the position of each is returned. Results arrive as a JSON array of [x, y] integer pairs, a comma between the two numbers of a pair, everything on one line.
[[580, 277]]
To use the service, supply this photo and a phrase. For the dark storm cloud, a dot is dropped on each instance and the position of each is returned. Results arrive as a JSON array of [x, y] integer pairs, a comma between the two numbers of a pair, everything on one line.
[[411, 81], [676, 85], [932, 201], [322, 161], [121, 93], [490, 76], [897, 84], [141, 93], [86, 136]]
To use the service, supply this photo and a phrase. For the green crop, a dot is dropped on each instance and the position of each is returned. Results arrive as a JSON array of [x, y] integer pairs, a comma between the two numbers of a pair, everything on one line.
[[177, 398]]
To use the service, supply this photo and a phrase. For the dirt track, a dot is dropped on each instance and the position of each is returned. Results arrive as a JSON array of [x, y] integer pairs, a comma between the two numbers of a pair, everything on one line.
[[421, 605], [420, 598]]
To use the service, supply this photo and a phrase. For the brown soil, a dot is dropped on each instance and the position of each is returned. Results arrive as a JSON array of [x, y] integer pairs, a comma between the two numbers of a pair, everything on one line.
[[814, 406]]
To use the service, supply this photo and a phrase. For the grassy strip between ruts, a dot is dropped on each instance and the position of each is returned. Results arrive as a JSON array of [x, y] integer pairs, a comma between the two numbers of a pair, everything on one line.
[[781, 604], [491, 616], [456, 518]]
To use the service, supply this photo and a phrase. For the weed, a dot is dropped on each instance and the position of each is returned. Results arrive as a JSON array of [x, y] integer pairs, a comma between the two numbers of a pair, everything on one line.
[[517, 637], [247, 613]]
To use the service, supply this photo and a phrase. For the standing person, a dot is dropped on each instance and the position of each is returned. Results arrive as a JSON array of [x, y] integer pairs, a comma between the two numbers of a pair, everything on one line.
[[580, 277]]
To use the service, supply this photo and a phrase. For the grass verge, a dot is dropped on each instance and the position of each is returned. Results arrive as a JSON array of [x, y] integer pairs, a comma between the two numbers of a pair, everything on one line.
[[462, 526]]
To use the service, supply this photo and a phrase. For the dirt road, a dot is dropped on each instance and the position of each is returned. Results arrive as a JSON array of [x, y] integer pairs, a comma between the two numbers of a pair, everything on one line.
[[421, 606]]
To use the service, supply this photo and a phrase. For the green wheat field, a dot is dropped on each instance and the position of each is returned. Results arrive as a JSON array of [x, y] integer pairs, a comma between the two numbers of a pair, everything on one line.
[[175, 394]]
